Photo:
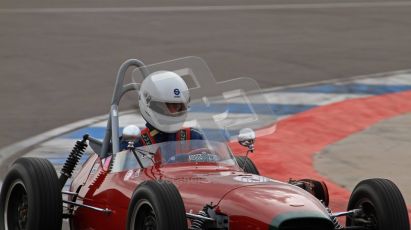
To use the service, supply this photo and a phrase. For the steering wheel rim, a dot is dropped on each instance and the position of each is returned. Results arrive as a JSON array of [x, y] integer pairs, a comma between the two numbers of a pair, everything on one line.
[[202, 151]]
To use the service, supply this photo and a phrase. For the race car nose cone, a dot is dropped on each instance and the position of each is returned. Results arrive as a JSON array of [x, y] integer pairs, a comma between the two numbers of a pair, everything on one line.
[[273, 200]]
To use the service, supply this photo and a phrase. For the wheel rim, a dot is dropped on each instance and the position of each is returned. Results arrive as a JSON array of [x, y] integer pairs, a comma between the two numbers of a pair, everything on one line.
[[16, 207], [367, 218], [144, 216]]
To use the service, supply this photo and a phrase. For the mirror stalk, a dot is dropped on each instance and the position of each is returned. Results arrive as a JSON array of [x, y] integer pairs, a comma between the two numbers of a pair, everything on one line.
[[246, 138], [250, 150]]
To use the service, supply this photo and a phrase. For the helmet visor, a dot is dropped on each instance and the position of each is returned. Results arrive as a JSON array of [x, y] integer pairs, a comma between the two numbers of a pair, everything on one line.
[[168, 108]]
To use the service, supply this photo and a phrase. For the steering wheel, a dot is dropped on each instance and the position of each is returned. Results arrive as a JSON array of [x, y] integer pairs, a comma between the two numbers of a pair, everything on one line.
[[203, 155], [196, 155]]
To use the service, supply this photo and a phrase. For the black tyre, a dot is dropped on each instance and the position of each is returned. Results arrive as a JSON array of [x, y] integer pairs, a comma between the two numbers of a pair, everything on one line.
[[156, 205], [247, 164], [382, 206], [31, 196]]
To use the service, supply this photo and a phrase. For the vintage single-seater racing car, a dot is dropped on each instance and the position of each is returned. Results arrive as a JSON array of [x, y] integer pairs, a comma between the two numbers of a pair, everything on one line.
[[185, 183]]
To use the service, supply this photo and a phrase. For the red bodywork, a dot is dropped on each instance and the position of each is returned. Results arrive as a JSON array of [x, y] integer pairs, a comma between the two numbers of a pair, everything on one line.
[[250, 201]]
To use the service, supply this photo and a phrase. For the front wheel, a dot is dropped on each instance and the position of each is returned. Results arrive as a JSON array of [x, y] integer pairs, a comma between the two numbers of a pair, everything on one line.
[[31, 196], [382, 206], [156, 205]]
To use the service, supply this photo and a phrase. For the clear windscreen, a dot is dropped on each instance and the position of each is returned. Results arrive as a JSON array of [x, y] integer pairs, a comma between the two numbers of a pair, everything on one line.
[[218, 109]]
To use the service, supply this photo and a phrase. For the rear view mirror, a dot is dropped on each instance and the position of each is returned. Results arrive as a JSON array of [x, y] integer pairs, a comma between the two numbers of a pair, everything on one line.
[[246, 137], [131, 133]]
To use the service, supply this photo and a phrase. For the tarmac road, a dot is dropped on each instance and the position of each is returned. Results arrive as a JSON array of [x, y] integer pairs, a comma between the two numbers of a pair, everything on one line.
[[58, 65]]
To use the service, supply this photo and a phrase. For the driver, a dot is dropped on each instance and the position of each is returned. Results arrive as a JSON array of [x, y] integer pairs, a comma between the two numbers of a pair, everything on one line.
[[163, 102]]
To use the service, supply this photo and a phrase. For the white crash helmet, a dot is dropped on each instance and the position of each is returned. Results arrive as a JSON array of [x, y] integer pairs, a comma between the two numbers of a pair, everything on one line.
[[163, 101]]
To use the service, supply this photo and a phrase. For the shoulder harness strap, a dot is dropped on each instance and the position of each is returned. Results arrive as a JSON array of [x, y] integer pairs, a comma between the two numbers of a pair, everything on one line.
[[184, 134], [147, 137]]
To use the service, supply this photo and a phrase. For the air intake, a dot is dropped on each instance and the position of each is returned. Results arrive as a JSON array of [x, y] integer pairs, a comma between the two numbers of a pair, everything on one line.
[[307, 224]]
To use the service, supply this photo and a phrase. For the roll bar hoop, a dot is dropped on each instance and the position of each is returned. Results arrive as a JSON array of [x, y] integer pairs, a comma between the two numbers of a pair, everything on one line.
[[112, 130]]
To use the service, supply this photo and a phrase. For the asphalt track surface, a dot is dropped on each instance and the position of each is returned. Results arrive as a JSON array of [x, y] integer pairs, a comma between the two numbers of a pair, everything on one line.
[[58, 59]]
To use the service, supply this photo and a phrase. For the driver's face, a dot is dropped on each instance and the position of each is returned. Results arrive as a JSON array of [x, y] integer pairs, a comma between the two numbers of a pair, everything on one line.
[[175, 107]]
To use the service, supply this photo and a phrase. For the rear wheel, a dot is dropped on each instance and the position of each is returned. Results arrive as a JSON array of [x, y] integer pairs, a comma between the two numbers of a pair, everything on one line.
[[31, 196], [247, 164], [318, 189], [382, 205], [156, 205]]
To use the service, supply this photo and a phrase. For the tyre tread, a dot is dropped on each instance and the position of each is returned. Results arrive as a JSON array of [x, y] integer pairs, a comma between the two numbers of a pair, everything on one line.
[[389, 199], [167, 196], [40, 179]]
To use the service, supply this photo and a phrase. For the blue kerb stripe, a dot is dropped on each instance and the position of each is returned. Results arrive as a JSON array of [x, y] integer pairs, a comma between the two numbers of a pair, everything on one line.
[[96, 132], [279, 110], [353, 88]]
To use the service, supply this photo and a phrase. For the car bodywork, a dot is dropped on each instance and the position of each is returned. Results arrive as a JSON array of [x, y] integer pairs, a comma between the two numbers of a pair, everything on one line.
[[185, 184], [249, 201], [239, 200]]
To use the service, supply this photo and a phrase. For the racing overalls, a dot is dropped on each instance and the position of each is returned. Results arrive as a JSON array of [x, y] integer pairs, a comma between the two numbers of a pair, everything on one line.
[[150, 135]]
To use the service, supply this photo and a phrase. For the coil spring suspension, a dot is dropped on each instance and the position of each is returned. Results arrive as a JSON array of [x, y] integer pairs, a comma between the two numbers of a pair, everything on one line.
[[335, 221], [72, 160], [198, 224]]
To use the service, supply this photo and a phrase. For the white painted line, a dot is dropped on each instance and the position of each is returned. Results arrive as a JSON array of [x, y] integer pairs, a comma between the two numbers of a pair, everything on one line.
[[376, 76], [210, 8], [297, 98], [54, 148], [402, 79]]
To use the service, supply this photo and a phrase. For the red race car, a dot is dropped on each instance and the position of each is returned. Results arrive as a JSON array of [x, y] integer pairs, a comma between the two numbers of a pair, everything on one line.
[[185, 184]]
